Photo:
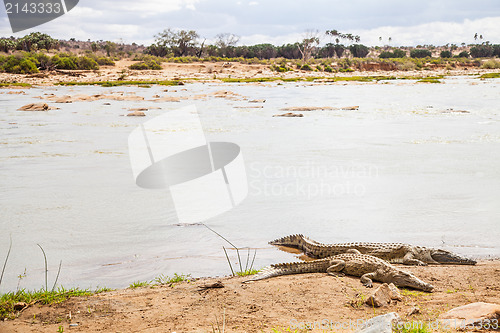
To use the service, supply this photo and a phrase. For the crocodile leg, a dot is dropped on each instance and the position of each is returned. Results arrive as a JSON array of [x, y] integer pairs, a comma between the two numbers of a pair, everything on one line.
[[366, 279], [336, 267], [409, 259]]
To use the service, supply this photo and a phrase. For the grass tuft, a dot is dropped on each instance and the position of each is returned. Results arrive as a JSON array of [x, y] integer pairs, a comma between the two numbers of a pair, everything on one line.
[[10, 302], [162, 279]]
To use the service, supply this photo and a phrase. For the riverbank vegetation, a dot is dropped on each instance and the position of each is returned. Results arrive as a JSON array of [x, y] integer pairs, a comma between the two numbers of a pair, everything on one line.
[[329, 52]]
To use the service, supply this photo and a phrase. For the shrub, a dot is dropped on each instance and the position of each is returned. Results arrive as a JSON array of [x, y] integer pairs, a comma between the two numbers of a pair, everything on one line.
[[396, 53], [420, 53], [463, 54], [491, 64], [146, 64], [481, 51], [328, 69], [359, 50], [19, 64], [87, 63], [306, 67], [103, 61], [406, 65], [62, 62], [445, 54]]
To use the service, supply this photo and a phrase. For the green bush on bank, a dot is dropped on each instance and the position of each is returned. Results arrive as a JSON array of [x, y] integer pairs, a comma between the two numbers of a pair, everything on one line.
[[31, 62], [146, 64]]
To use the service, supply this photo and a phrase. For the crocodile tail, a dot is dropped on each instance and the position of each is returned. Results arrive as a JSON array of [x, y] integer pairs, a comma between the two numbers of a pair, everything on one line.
[[314, 266], [294, 241]]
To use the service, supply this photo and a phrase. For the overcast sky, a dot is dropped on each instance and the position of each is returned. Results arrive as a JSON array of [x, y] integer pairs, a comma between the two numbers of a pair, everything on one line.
[[407, 22]]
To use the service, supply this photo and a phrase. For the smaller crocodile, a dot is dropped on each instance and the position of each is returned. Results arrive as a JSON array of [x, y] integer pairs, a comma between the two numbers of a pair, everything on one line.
[[367, 267], [396, 253]]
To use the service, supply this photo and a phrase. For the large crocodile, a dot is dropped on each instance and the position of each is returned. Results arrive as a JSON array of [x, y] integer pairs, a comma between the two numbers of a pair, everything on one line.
[[396, 253], [353, 263]]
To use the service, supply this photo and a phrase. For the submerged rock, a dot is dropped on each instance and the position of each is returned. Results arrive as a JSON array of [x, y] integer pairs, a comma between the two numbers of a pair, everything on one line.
[[289, 114], [35, 107], [136, 114]]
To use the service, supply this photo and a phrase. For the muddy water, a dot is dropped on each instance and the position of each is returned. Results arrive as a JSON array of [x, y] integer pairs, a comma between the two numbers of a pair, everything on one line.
[[404, 167]]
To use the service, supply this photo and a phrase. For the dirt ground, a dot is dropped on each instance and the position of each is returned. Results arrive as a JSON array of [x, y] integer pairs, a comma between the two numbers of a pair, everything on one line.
[[271, 305], [203, 71]]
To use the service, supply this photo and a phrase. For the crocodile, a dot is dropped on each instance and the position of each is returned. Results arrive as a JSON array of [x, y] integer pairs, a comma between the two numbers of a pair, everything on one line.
[[367, 267], [396, 253]]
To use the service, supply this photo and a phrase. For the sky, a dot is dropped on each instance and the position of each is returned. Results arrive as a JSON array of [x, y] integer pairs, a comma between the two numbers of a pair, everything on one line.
[[407, 22]]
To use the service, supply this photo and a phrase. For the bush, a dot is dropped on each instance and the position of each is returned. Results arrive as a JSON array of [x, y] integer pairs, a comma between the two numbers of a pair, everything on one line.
[[420, 53], [481, 51], [359, 50], [406, 65], [328, 69], [491, 64], [445, 54], [146, 64], [62, 62], [396, 53], [19, 64], [103, 61], [463, 54], [306, 67], [87, 63]]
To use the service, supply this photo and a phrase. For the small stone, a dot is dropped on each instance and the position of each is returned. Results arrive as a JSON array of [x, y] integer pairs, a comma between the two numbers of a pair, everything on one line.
[[73, 325], [136, 114], [395, 294], [380, 297], [414, 310]]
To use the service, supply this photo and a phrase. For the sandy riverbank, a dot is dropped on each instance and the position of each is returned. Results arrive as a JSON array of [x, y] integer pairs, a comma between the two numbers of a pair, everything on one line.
[[259, 306], [208, 71]]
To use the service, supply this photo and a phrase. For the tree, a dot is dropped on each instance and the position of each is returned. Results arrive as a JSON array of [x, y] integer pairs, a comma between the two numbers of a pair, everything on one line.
[[310, 41], [225, 42], [420, 53], [37, 41], [182, 42], [109, 47], [445, 54], [359, 51]]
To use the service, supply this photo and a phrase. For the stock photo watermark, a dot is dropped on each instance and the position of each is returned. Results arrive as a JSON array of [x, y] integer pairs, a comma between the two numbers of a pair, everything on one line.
[[396, 325], [310, 180], [26, 14]]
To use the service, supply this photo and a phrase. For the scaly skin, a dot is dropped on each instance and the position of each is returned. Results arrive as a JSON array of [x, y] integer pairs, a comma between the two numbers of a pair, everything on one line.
[[366, 267], [396, 253]]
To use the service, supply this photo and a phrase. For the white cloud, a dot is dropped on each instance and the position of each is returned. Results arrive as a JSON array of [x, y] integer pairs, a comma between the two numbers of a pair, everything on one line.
[[253, 3], [437, 33]]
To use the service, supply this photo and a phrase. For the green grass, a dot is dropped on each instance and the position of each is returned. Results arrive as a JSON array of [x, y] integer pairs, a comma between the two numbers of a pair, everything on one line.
[[139, 284], [412, 293], [247, 272], [8, 300], [490, 76], [429, 80], [162, 279], [15, 84], [121, 83]]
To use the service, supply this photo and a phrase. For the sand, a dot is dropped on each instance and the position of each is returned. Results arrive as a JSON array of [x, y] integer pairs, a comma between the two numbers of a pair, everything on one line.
[[259, 306]]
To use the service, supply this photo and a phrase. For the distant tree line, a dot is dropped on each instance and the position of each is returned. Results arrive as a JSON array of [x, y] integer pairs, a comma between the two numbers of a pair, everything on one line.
[[184, 43]]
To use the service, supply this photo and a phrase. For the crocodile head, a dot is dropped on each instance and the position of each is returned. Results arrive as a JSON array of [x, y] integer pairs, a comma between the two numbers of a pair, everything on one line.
[[449, 258], [405, 279]]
